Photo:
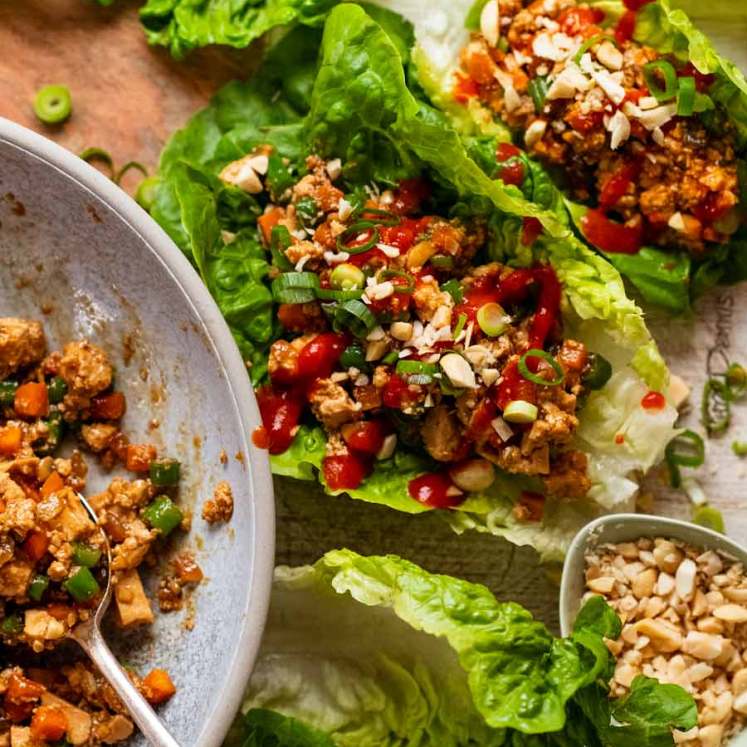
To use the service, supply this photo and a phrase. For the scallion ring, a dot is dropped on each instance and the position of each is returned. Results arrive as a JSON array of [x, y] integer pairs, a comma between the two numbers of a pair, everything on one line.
[[715, 407], [352, 231], [454, 289], [129, 166], [442, 261], [99, 154], [381, 217], [685, 450], [668, 73], [686, 96], [710, 518], [53, 104], [355, 316], [736, 380], [388, 274], [145, 195], [295, 287], [537, 378], [422, 368], [492, 319]]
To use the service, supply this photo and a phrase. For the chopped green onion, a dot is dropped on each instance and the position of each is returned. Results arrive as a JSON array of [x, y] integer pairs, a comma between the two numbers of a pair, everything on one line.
[[442, 261], [668, 73], [37, 587], [461, 322], [520, 411], [454, 289], [53, 104], [599, 373], [8, 393], [589, 43], [81, 586], [390, 357], [354, 356], [129, 166], [420, 370], [295, 287], [686, 96], [145, 195], [736, 380], [56, 390], [85, 555], [710, 518], [536, 378], [163, 515], [685, 450], [739, 448], [355, 230], [280, 240], [492, 319], [99, 154], [381, 217], [165, 472], [538, 91], [715, 407], [347, 277], [355, 316], [12, 625], [392, 274]]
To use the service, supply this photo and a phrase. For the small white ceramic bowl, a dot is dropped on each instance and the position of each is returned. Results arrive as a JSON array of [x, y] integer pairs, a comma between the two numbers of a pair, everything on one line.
[[624, 528]]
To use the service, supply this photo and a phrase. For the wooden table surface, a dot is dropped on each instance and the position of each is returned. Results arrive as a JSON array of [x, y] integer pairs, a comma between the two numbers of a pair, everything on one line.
[[127, 99]]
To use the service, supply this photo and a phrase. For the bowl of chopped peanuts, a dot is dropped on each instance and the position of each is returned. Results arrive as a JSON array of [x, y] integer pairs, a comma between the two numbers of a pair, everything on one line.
[[119, 380], [680, 591]]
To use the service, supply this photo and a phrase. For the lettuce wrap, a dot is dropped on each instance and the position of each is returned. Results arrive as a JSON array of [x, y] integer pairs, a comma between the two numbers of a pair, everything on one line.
[[375, 651], [344, 96], [664, 275]]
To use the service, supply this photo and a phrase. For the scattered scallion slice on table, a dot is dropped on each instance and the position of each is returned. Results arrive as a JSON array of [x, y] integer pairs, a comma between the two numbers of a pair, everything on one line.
[[53, 104]]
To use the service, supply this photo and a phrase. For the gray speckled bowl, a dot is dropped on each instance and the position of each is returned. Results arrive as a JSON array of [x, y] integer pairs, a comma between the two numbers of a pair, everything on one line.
[[77, 253]]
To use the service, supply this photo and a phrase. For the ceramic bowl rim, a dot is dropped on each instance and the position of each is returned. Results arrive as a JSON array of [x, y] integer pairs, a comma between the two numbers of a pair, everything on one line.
[[254, 612]]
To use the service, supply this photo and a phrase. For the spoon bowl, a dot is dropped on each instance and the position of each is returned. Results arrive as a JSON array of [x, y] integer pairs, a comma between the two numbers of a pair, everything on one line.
[[87, 634]]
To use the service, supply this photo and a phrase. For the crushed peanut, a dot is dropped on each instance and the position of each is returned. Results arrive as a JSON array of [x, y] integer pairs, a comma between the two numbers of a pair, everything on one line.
[[684, 614]]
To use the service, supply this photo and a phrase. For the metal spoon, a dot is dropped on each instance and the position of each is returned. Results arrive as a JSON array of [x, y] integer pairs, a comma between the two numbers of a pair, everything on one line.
[[88, 634]]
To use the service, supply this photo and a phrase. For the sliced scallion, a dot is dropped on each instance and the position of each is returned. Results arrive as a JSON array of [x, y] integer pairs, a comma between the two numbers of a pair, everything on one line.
[[53, 104], [129, 166], [388, 274], [352, 232], [710, 518], [295, 287], [520, 411], [538, 91], [461, 322], [685, 450], [280, 240], [589, 43], [599, 373], [355, 316], [686, 96], [347, 277], [99, 154], [536, 378], [453, 288], [655, 70], [492, 319]]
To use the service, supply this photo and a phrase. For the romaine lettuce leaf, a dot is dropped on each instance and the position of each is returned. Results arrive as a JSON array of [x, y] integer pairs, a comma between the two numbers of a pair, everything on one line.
[[263, 728], [377, 652]]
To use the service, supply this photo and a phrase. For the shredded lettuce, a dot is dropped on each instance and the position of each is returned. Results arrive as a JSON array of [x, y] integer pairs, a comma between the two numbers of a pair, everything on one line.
[[375, 651]]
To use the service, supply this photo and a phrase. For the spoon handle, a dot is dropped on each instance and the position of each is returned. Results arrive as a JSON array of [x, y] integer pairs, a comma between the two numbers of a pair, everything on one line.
[[143, 715]]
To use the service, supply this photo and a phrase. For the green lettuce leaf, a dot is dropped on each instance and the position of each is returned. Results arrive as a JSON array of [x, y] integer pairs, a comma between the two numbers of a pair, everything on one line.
[[377, 652], [263, 728], [304, 457]]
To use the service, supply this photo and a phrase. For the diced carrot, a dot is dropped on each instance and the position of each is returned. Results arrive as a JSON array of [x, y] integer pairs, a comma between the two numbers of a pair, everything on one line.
[[268, 221], [158, 687], [10, 440], [35, 545], [48, 724], [22, 690], [139, 456], [108, 406], [31, 400], [187, 569], [52, 484]]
